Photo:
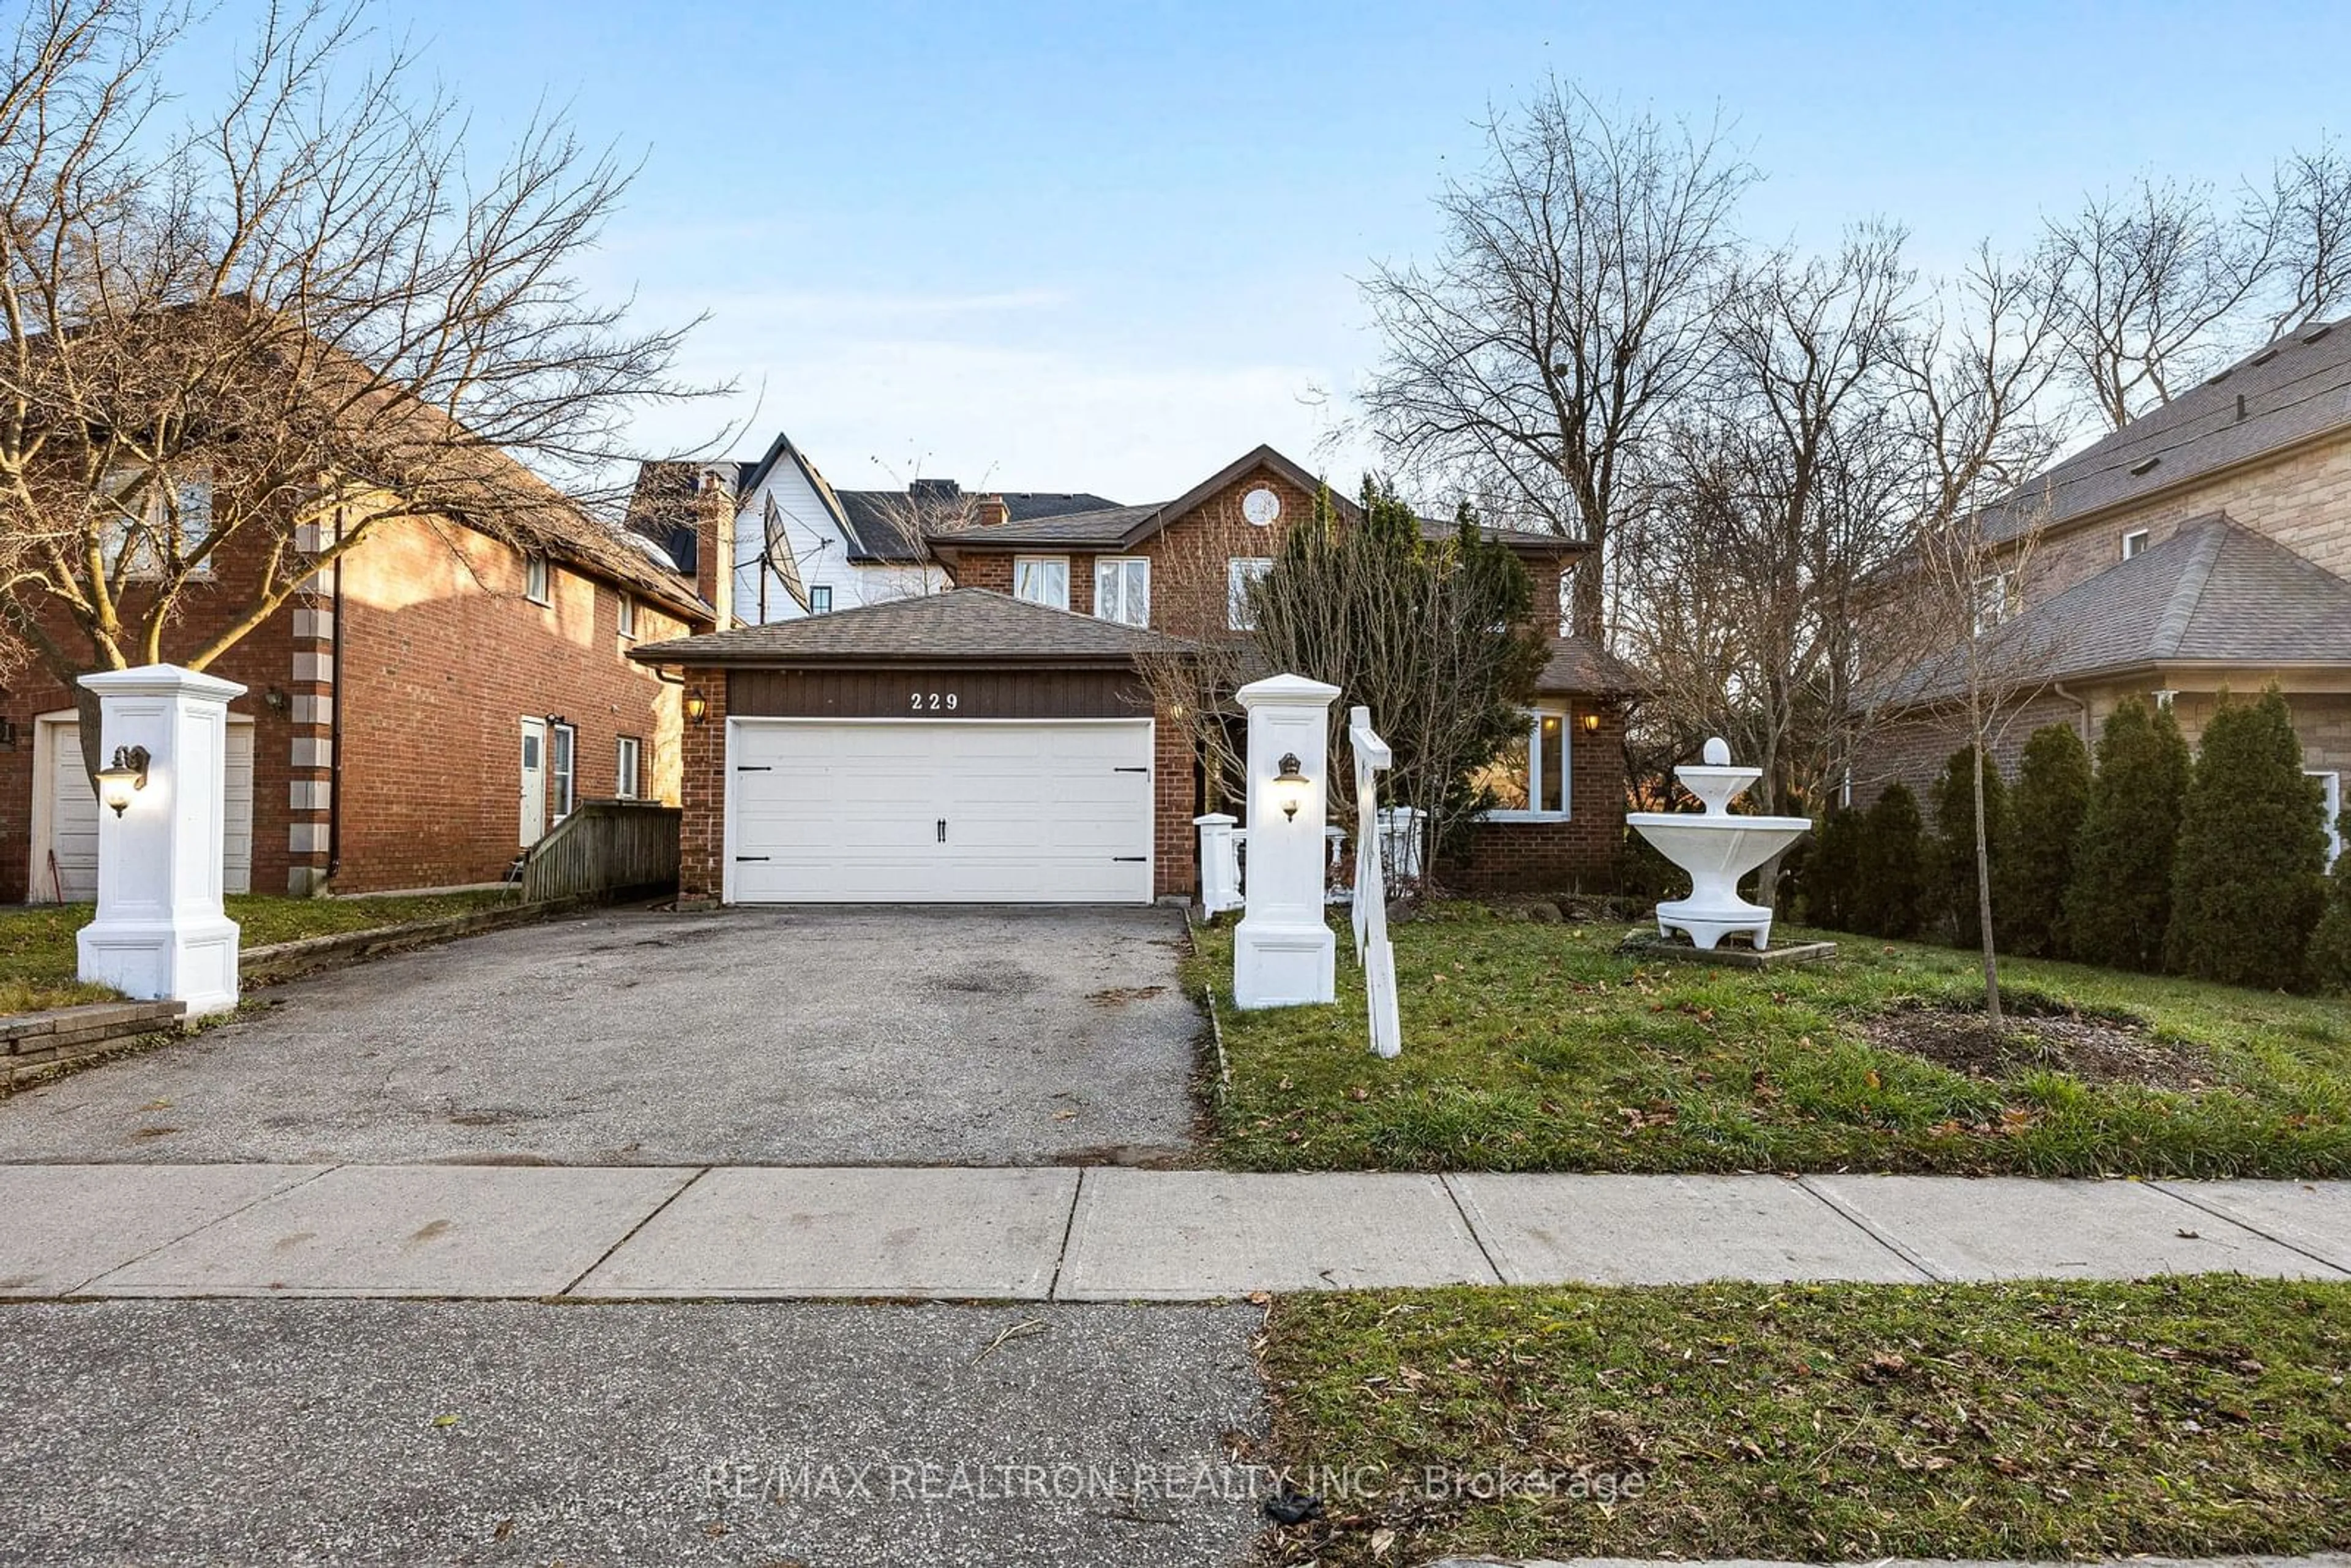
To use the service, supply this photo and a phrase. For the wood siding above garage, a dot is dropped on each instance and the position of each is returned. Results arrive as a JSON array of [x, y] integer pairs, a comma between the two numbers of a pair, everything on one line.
[[950, 692]]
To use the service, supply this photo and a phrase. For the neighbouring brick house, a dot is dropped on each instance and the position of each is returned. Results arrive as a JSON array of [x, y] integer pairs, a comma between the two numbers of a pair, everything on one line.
[[2204, 547], [993, 740], [433, 701]]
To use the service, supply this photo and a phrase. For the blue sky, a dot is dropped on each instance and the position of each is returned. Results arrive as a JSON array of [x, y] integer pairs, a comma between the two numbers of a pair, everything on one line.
[[1112, 247]]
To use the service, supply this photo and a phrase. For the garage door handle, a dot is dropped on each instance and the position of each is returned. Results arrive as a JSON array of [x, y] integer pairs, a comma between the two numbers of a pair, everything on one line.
[[943, 830], [1137, 858], [1130, 770], [740, 859], [753, 768]]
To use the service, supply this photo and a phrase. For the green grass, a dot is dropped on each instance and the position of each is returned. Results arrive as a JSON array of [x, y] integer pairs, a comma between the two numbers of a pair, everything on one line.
[[2198, 1416], [38, 957], [1532, 1047]]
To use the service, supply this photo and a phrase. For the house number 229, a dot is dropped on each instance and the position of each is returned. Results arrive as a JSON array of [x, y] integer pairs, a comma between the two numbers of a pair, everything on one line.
[[933, 702]]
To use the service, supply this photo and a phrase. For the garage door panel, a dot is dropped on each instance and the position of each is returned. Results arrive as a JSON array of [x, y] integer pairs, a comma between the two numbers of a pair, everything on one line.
[[1032, 812]]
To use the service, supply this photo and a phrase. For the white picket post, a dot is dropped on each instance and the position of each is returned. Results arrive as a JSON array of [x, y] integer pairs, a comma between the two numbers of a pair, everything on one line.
[[1372, 757]]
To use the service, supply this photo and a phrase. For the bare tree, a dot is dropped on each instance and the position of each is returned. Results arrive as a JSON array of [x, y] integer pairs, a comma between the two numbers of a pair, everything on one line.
[[2307, 208], [1566, 315], [2150, 287], [249, 340], [1973, 381], [1777, 506]]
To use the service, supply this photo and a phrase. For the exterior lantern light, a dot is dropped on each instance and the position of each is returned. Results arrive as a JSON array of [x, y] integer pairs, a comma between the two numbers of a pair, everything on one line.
[[118, 779], [1590, 722], [1290, 787], [697, 707]]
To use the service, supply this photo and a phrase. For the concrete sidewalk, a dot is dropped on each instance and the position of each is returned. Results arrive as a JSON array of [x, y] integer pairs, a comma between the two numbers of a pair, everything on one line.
[[1107, 1234]]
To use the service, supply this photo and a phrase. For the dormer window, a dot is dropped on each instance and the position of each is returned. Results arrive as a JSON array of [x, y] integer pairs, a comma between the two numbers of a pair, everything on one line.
[[2133, 541]]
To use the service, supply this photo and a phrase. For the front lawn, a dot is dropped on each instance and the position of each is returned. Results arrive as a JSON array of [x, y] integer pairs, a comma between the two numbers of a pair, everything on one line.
[[2191, 1417], [37, 957], [1539, 1047]]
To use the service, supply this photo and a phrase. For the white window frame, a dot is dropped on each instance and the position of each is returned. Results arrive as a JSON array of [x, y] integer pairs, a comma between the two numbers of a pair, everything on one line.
[[115, 530], [538, 578], [2330, 785], [562, 770], [1128, 600], [1239, 569], [1032, 572], [628, 768], [626, 616], [1998, 582], [2134, 542], [1537, 772], [820, 599]]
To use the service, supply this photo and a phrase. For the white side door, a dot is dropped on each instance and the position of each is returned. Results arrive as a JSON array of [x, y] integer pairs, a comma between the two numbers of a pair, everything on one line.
[[534, 782]]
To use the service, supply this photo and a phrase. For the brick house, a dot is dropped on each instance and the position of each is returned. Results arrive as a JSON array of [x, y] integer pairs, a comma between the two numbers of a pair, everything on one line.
[[993, 739], [433, 701], [2206, 547]]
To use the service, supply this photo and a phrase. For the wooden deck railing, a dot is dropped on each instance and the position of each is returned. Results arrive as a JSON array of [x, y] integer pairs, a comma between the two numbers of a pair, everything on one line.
[[613, 847]]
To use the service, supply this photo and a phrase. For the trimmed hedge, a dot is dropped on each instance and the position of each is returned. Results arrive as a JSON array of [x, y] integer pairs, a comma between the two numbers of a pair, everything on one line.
[[2330, 944], [2249, 884], [2118, 900], [1955, 842], [2046, 810], [1891, 899]]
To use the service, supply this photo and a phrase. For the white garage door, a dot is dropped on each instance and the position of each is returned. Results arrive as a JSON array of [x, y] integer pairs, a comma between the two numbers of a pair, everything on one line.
[[73, 819], [940, 812]]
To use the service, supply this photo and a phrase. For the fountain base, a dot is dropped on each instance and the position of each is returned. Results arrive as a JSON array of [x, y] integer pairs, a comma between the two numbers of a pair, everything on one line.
[[1708, 921]]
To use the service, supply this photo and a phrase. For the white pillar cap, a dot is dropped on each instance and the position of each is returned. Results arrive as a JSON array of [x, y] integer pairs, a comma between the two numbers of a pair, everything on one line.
[[161, 681], [1279, 690]]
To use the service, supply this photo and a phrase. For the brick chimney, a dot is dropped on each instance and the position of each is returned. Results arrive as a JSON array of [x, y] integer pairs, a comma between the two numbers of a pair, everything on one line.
[[713, 546], [992, 511]]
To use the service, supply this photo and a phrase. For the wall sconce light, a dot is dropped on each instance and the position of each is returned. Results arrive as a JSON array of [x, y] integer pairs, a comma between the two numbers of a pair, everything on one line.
[[1290, 787], [697, 707], [1590, 722], [127, 774], [275, 699]]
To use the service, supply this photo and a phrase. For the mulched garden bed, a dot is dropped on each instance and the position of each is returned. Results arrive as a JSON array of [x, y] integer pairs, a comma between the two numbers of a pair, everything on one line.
[[2091, 1047]]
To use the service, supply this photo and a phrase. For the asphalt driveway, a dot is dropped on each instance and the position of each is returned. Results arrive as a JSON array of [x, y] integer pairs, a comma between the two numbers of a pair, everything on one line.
[[834, 1036]]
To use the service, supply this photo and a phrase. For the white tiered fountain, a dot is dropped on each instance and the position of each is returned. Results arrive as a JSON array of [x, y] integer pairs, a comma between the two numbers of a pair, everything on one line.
[[1717, 848]]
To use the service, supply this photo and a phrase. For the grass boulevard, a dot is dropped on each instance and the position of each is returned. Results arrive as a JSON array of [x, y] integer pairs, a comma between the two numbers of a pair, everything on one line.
[[1533, 1047]]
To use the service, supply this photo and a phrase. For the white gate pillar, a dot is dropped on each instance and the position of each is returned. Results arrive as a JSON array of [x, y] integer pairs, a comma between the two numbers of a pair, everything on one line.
[[161, 933], [1283, 951]]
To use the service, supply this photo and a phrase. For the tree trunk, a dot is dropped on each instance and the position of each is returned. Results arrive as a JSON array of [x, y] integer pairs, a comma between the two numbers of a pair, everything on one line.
[[1983, 897]]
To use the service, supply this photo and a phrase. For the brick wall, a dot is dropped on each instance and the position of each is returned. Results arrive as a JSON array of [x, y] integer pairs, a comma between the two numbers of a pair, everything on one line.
[[441, 657], [1915, 750], [1175, 801], [702, 791], [261, 662], [1575, 855]]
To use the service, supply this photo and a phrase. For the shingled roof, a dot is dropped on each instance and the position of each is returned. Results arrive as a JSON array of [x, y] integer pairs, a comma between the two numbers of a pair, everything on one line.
[[1124, 527], [961, 625], [2213, 593], [2291, 389], [880, 522], [1581, 667]]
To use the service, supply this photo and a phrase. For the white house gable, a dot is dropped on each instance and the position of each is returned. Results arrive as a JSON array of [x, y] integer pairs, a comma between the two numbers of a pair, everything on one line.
[[792, 552]]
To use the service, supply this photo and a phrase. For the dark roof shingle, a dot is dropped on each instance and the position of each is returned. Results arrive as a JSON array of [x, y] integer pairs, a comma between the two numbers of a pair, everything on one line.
[[963, 623], [2296, 387], [2214, 593]]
